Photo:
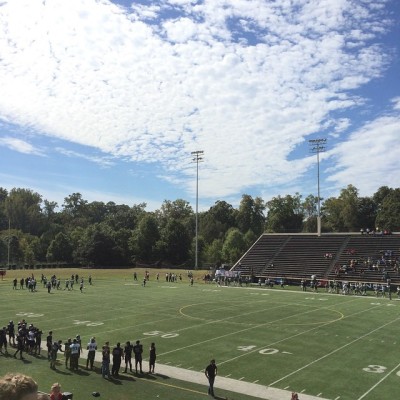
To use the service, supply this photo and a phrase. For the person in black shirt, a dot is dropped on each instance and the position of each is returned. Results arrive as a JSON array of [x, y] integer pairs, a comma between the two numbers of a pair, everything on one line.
[[211, 373], [117, 353], [137, 351], [152, 358], [49, 343], [20, 346], [128, 356]]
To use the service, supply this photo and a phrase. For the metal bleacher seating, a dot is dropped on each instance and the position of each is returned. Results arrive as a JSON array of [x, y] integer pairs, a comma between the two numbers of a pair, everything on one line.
[[297, 256]]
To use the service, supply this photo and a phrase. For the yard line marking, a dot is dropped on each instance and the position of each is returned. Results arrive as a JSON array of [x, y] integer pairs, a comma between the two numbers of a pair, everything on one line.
[[337, 398], [241, 378], [255, 381], [334, 351], [379, 382], [227, 376], [293, 336]]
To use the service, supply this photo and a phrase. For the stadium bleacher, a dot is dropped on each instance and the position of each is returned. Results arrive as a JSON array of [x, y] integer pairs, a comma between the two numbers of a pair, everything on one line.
[[298, 256]]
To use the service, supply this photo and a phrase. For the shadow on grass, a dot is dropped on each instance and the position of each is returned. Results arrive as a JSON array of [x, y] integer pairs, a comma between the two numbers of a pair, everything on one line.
[[60, 372], [162, 376]]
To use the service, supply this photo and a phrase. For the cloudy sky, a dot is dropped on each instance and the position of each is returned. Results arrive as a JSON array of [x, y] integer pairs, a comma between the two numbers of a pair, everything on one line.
[[109, 98]]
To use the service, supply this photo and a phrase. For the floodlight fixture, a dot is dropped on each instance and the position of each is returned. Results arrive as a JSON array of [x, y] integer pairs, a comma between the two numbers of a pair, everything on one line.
[[197, 157], [318, 146]]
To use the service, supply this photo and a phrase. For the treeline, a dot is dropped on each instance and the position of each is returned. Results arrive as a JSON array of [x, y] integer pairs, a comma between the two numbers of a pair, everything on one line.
[[36, 231]]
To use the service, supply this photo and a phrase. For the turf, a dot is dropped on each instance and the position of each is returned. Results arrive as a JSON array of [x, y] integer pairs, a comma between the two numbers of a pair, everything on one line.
[[330, 346]]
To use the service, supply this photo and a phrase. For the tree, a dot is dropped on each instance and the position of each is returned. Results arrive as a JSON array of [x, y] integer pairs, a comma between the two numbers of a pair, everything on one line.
[[251, 215], [310, 213], [214, 223], [350, 209], [176, 242], [367, 212], [234, 246], [213, 251], [74, 210], [60, 249], [388, 217], [99, 248], [285, 214], [179, 210], [143, 240], [23, 209]]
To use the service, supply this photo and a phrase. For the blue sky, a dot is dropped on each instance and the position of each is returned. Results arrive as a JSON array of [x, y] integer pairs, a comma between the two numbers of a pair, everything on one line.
[[109, 99]]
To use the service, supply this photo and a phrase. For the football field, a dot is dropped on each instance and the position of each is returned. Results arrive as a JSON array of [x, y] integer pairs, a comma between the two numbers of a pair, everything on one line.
[[320, 345]]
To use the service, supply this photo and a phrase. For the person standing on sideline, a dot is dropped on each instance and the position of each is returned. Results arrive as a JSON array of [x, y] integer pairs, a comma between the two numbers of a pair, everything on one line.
[[75, 350], [117, 354], [137, 351], [49, 343], [91, 347], [152, 358], [128, 356], [67, 352], [211, 373], [105, 363], [55, 348]]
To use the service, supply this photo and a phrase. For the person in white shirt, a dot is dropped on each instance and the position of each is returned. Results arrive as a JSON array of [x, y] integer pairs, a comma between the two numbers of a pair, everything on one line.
[[91, 347]]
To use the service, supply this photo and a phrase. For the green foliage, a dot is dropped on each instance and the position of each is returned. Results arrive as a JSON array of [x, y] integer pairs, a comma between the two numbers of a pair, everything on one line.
[[144, 239], [388, 217], [234, 246], [60, 249], [115, 234], [285, 214]]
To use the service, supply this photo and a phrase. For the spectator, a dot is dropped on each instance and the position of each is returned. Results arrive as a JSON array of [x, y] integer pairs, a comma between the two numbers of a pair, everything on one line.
[[18, 387], [55, 392]]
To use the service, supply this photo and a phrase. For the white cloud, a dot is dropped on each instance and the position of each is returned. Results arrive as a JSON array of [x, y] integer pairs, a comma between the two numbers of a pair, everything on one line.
[[20, 146], [89, 73], [102, 161], [369, 159]]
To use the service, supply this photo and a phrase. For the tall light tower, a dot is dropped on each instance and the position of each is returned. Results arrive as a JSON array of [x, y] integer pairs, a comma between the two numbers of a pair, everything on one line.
[[197, 157], [318, 146], [8, 245]]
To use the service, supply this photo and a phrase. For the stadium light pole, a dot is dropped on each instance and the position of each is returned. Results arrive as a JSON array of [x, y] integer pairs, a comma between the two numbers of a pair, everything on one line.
[[197, 157], [8, 246], [318, 146]]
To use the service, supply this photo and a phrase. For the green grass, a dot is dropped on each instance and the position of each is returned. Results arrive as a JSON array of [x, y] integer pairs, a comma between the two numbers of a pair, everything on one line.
[[315, 343]]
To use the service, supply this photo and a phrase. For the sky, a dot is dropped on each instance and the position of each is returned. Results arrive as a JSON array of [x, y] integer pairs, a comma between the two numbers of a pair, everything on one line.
[[110, 98]]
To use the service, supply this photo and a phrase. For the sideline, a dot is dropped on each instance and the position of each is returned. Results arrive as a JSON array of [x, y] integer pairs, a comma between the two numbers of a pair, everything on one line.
[[231, 385]]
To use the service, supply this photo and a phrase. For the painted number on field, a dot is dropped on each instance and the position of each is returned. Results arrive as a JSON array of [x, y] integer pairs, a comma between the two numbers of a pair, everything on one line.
[[29, 314], [263, 351], [376, 369], [161, 334], [246, 348], [268, 351], [87, 323]]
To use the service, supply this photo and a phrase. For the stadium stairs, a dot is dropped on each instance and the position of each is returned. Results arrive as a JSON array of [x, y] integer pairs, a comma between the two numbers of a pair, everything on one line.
[[299, 256]]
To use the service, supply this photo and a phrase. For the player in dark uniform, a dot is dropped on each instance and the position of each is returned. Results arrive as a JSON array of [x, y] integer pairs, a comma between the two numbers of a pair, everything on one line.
[[20, 346], [137, 351], [152, 358], [3, 340], [11, 333], [49, 343], [128, 356], [117, 354]]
